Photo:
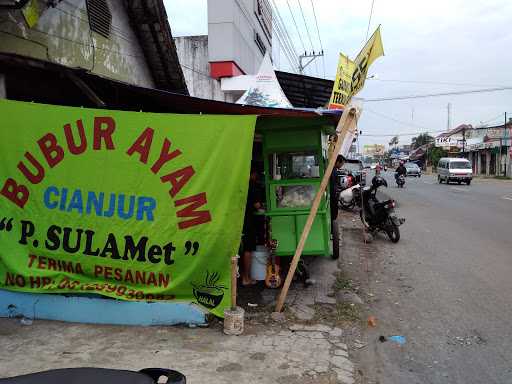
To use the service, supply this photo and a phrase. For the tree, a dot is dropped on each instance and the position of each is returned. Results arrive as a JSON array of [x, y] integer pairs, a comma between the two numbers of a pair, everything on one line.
[[421, 139], [394, 141], [434, 154]]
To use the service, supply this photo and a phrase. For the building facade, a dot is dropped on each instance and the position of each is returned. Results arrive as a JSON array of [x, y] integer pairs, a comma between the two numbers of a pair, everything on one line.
[[489, 150], [129, 41]]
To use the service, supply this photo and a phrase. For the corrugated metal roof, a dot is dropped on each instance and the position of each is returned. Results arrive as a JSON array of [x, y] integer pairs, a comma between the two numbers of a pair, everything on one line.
[[149, 20], [305, 91]]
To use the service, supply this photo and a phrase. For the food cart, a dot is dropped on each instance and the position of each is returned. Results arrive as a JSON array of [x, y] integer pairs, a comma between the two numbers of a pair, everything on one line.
[[295, 155]]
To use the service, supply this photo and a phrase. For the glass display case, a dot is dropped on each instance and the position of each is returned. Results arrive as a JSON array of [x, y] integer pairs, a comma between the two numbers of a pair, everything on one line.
[[294, 165], [294, 196]]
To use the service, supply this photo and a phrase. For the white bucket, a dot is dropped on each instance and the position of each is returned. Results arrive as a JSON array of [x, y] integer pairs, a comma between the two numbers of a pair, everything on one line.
[[259, 262]]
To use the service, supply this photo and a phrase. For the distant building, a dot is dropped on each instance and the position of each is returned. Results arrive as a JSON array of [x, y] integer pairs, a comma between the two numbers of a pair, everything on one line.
[[490, 151], [221, 65], [488, 148]]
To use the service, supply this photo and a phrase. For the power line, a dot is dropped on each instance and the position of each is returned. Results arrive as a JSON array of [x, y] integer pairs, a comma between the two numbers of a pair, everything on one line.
[[400, 134], [296, 27], [453, 93], [318, 33], [493, 119], [395, 120], [369, 22], [435, 82], [284, 38]]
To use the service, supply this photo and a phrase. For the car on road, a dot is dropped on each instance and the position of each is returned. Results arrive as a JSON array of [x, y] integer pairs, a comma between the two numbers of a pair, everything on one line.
[[355, 168], [454, 169], [412, 169]]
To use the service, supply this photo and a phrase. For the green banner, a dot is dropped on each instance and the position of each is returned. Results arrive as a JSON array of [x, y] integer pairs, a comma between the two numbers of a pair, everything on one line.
[[131, 205]]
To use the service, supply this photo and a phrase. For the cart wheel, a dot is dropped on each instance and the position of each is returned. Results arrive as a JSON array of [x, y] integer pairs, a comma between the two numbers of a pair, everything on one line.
[[335, 232]]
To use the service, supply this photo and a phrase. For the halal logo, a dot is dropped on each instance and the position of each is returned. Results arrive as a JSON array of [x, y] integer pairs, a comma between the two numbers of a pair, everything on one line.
[[209, 293]]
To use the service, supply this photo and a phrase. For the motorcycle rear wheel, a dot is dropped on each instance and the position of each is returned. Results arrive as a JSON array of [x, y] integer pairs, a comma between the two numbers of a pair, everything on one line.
[[393, 232]]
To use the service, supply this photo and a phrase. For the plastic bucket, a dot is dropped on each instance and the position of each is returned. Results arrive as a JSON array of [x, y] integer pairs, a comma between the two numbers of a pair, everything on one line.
[[259, 263]]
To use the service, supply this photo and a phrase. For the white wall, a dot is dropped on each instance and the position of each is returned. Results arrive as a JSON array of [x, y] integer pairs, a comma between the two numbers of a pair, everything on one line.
[[193, 55], [231, 29]]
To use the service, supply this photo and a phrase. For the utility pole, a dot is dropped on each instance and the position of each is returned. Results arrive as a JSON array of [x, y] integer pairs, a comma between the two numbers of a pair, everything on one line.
[[311, 56], [463, 141], [449, 122], [501, 144]]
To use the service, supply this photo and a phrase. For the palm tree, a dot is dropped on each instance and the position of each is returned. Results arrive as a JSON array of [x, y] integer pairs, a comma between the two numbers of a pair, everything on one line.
[[421, 139], [394, 141]]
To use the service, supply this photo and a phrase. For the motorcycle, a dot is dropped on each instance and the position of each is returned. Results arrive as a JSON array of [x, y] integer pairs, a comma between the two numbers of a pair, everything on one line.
[[400, 180], [347, 198], [379, 215]]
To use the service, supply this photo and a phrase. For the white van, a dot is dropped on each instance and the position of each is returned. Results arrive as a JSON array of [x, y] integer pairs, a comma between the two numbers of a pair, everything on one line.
[[454, 169]]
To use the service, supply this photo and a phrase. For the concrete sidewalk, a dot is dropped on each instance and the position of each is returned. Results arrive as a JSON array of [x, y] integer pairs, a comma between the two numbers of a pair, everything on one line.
[[297, 349]]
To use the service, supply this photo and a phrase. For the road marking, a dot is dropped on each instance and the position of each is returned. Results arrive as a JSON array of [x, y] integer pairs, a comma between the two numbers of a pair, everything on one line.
[[507, 198], [458, 189], [429, 182]]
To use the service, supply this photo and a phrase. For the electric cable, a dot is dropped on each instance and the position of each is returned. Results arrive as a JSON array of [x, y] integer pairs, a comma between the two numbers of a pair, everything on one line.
[[452, 93], [319, 38]]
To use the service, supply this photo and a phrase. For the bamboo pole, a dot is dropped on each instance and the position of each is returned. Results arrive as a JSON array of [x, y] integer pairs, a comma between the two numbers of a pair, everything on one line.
[[346, 123], [234, 273]]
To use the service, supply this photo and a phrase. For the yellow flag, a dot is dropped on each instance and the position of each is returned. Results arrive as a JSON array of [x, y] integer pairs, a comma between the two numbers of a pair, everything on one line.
[[351, 75], [341, 91], [372, 50]]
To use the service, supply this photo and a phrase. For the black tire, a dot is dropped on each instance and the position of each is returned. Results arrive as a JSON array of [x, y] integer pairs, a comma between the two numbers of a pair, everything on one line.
[[335, 232], [349, 206], [447, 181], [439, 179], [468, 182], [393, 232]]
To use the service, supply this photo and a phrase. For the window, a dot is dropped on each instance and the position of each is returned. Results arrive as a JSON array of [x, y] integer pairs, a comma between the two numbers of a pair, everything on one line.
[[295, 196], [259, 43], [100, 18], [263, 13], [294, 165], [460, 165]]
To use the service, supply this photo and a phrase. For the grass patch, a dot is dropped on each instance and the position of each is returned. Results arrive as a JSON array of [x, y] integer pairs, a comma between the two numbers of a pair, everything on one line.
[[347, 312], [343, 314], [342, 283]]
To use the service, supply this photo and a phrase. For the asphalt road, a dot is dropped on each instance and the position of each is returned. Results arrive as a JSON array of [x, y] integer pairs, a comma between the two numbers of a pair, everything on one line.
[[446, 286]]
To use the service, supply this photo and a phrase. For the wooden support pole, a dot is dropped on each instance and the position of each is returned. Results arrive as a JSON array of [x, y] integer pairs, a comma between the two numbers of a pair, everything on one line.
[[234, 273], [345, 125]]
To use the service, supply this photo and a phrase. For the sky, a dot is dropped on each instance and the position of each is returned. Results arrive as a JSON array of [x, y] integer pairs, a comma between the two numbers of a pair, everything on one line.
[[430, 46]]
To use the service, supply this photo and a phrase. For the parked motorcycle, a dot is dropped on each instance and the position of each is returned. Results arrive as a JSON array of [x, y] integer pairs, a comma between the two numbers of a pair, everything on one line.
[[400, 180], [347, 198], [379, 215]]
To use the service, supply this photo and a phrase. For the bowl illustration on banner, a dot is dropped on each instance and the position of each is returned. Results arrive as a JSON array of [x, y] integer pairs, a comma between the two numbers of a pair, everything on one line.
[[209, 293]]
